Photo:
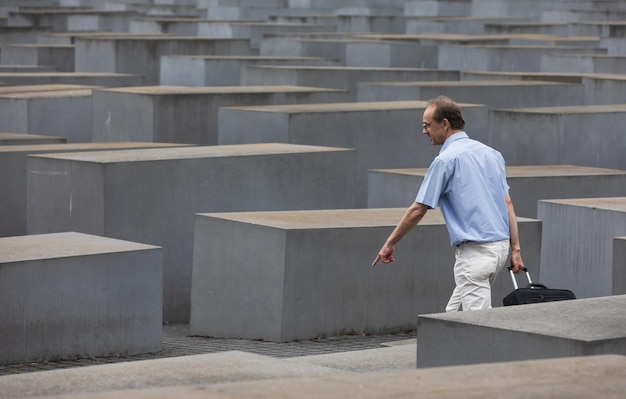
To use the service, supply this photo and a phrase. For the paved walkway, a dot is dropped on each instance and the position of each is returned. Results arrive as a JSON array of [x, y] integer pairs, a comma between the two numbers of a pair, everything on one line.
[[178, 342]]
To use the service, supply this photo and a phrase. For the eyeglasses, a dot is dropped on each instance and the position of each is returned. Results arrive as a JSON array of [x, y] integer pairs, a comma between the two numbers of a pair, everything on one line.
[[426, 125]]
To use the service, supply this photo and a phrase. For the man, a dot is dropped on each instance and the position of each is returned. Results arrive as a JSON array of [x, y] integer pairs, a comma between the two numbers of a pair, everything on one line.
[[468, 181]]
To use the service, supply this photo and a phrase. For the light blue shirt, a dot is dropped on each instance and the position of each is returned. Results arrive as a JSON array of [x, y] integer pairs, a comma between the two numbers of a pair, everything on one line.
[[468, 181]]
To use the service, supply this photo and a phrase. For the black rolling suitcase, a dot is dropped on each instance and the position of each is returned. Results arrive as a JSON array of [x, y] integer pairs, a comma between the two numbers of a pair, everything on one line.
[[534, 293]]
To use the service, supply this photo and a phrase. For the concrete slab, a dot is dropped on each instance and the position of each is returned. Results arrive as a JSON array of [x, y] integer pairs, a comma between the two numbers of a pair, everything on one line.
[[60, 57], [576, 377], [290, 293], [24, 139], [494, 93], [582, 327], [223, 70], [560, 135], [13, 163], [345, 78], [179, 114], [529, 184], [42, 87], [152, 195], [37, 113], [72, 294], [141, 55], [374, 129], [460, 25], [232, 366], [599, 88], [254, 31], [71, 19], [577, 242], [619, 271], [583, 63], [446, 8], [75, 78]]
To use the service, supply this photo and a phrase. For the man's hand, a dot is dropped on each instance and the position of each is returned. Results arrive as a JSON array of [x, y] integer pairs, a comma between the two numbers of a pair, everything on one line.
[[385, 255], [517, 264]]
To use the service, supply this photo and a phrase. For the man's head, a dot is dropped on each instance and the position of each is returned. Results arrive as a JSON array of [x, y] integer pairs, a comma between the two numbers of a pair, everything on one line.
[[442, 118]]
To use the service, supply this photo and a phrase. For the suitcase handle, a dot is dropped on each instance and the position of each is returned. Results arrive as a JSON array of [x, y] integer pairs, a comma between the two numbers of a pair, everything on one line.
[[525, 270]]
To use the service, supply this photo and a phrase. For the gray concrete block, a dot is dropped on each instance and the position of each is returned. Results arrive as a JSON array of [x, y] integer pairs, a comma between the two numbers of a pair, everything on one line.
[[289, 291], [74, 78], [503, 58], [23, 139], [177, 114], [529, 185], [151, 195], [389, 23], [583, 63], [577, 242], [68, 19], [141, 55], [223, 70], [434, 8], [594, 376], [619, 271], [374, 129], [60, 57], [72, 294], [582, 327], [560, 135], [210, 369], [461, 25], [38, 113], [340, 77], [13, 163], [390, 54], [494, 93]]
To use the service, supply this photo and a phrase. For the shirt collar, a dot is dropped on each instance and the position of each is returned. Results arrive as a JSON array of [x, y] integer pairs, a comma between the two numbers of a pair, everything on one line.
[[454, 137]]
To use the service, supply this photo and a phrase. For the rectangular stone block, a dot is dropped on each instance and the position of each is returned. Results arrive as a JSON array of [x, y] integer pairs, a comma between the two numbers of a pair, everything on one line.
[[177, 114], [141, 55], [60, 56], [38, 113], [69, 294], [302, 274], [503, 58], [493, 93], [529, 184], [74, 78], [619, 265], [582, 327], [24, 139], [13, 164], [222, 70], [151, 195], [374, 129], [583, 63], [577, 243], [561, 135]]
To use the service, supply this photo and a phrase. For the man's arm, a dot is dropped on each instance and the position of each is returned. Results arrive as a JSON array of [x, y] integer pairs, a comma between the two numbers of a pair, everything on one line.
[[516, 253], [411, 218]]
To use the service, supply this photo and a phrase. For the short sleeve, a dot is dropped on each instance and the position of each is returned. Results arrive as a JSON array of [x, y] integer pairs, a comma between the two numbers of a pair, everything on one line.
[[434, 184]]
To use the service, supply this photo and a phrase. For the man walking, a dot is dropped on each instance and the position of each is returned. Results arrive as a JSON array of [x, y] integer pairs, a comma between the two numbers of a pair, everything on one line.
[[468, 181]]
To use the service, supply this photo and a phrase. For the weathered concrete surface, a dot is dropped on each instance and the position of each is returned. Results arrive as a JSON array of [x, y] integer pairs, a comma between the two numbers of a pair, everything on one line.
[[619, 265], [345, 78], [76, 78], [140, 55], [312, 273], [151, 195], [577, 135], [39, 113], [577, 242], [494, 93], [581, 327], [13, 164], [575, 377], [529, 184], [58, 56], [72, 294], [223, 70], [177, 114], [23, 139]]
